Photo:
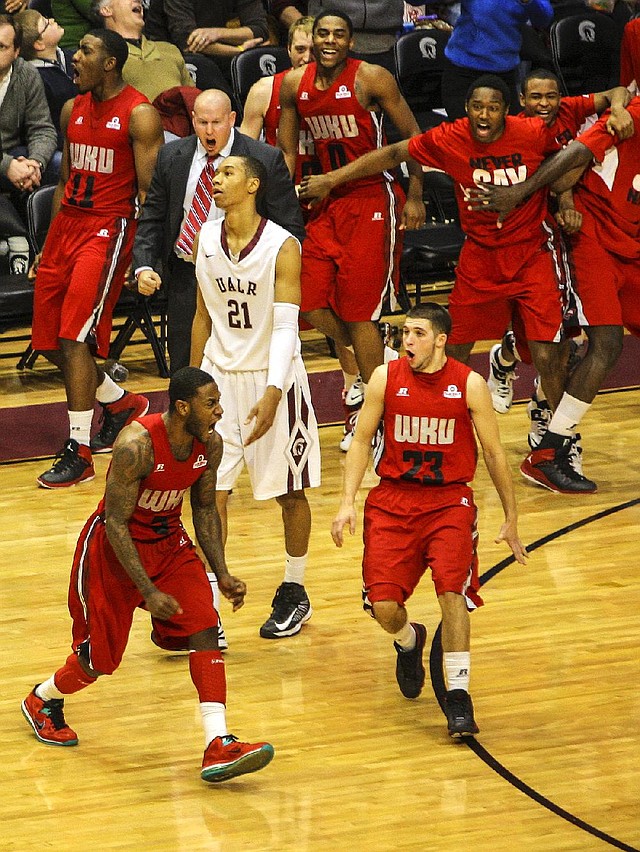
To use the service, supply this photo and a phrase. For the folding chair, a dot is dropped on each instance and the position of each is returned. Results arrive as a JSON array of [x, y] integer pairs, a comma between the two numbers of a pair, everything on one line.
[[419, 59], [586, 52], [249, 66]]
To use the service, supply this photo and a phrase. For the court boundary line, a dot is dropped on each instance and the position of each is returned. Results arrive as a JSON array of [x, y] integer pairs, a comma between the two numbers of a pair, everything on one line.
[[439, 689]]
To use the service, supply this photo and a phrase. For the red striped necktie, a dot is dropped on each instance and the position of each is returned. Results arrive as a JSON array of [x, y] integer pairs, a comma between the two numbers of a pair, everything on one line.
[[200, 206]]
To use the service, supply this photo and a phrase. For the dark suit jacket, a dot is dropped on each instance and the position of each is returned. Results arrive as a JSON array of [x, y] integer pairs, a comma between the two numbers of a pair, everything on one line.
[[159, 224]]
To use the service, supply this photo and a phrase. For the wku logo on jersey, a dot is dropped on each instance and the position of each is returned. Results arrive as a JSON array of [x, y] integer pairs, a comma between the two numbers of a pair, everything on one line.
[[424, 430], [91, 158], [160, 501], [332, 126]]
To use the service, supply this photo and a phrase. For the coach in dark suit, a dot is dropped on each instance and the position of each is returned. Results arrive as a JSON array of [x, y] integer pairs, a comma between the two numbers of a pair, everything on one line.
[[169, 200]]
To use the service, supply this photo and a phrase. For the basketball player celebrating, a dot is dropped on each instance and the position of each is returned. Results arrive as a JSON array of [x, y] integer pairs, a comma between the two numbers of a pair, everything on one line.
[[429, 405], [113, 135], [134, 552], [606, 257], [518, 268], [351, 253], [245, 333]]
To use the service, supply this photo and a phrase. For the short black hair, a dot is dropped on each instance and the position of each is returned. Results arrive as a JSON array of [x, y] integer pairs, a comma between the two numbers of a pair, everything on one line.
[[254, 168], [433, 312], [184, 384], [114, 45], [540, 74], [490, 81], [334, 13]]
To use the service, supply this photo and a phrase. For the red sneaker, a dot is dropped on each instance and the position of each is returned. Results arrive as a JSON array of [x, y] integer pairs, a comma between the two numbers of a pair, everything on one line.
[[115, 416], [47, 720], [72, 465], [226, 757]]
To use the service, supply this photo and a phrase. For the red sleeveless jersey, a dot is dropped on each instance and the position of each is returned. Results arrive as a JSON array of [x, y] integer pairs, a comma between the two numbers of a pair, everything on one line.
[[102, 177], [159, 505], [341, 129], [428, 432], [306, 161]]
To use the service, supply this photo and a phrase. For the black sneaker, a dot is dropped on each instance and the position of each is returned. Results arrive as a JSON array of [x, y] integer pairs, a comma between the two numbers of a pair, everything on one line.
[[409, 668], [291, 608], [115, 416], [72, 465], [555, 469], [459, 710]]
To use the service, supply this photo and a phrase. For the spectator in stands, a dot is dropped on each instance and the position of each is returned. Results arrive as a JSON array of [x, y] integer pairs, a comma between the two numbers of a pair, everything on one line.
[[630, 56], [41, 47], [287, 13], [217, 30], [487, 38], [27, 135], [152, 66]]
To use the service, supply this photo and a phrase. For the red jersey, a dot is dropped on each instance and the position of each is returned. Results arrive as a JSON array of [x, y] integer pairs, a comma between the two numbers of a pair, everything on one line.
[[511, 159], [428, 432], [573, 113], [102, 177], [159, 505], [609, 192], [342, 130], [306, 161]]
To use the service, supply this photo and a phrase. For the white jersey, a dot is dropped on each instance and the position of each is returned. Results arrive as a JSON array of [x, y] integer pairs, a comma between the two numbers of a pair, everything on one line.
[[239, 294]]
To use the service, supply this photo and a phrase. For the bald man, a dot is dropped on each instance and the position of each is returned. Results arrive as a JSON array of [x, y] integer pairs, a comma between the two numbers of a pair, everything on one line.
[[161, 253]]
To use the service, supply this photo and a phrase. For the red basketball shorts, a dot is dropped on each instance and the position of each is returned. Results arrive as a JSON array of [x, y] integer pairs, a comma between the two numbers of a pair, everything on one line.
[[408, 529], [483, 299], [351, 255], [608, 286], [102, 597], [80, 278]]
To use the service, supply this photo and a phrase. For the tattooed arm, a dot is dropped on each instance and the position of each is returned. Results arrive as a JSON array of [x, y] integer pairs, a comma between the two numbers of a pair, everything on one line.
[[206, 522], [132, 460]]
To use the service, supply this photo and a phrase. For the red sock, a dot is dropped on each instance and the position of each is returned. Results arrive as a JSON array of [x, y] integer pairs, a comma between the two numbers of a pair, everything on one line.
[[72, 677], [207, 673]]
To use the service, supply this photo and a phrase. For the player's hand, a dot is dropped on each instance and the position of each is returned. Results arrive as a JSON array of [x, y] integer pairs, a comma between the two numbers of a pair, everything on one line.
[[233, 589], [33, 269], [313, 188], [162, 606], [263, 412], [570, 220], [489, 198], [509, 533], [346, 517], [620, 124], [414, 214], [148, 282]]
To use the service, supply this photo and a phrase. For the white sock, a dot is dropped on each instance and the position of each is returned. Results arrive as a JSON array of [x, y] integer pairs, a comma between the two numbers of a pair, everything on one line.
[[80, 426], [406, 638], [214, 720], [349, 379], [48, 690], [18, 255], [295, 568], [568, 415], [108, 391], [457, 665]]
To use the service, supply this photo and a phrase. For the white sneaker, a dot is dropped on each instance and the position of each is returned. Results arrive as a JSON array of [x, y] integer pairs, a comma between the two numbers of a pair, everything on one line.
[[355, 394], [349, 430], [500, 382]]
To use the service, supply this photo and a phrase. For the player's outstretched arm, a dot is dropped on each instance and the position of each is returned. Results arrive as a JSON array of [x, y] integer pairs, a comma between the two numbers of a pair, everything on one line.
[[358, 454], [132, 460], [207, 525], [503, 199], [486, 426]]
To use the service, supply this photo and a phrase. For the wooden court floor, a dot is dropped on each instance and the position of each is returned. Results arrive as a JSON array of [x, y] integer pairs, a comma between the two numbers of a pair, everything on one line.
[[555, 673]]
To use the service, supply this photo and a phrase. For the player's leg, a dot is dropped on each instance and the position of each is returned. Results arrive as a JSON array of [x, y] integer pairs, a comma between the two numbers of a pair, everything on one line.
[[457, 663], [291, 605], [389, 579], [502, 372]]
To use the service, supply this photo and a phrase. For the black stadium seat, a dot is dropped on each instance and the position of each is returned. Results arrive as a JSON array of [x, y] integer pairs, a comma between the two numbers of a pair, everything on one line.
[[419, 59], [586, 52], [248, 67]]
